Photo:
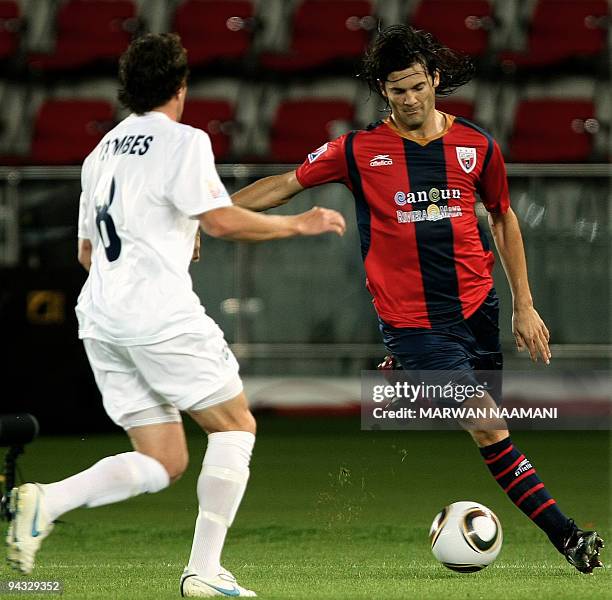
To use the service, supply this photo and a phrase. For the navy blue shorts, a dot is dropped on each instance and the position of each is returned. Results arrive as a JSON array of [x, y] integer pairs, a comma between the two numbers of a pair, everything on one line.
[[468, 346]]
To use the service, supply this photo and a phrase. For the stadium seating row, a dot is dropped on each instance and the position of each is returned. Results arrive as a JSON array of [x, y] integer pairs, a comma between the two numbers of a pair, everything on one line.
[[278, 118], [544, 129], [298, 35]]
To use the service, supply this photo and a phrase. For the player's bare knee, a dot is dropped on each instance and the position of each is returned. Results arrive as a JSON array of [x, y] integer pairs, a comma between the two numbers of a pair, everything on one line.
[[179, 467], [245, 421], [486, 437], [175, 464], [248, 422], [175, 467], [233, 415], [239, 420]]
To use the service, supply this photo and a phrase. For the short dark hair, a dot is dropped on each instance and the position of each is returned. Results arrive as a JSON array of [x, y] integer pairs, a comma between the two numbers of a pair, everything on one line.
[[151, 71], [399, 46]]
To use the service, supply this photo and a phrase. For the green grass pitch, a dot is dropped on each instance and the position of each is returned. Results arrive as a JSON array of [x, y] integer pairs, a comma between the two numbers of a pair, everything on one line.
[[330, 512]]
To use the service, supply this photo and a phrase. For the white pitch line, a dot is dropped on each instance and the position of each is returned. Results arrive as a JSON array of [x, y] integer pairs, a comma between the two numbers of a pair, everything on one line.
[[521, 566]]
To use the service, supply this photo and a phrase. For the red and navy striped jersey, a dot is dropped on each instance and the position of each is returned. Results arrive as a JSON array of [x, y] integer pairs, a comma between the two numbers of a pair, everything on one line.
[[428, 263]]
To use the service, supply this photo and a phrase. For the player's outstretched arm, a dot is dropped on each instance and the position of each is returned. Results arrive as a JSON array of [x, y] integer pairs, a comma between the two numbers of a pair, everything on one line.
[[268, 192], [236, 223], [527, 326]]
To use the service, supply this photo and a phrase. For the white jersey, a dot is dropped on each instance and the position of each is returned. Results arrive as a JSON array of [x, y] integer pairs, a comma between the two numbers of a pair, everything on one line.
[[142, 186]]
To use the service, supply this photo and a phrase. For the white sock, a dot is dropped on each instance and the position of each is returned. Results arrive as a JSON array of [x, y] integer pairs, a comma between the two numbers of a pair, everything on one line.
[[111, 479], [221, 485]]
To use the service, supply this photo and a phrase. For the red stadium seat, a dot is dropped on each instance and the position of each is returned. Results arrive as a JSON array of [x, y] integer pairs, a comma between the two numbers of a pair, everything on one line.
[[301, 126], [10, 23], [463, 25], [89, 31], [562, 30], [324, 32], [214, 29], [457, 107], [215, 117], [66, 131], [553, 130]]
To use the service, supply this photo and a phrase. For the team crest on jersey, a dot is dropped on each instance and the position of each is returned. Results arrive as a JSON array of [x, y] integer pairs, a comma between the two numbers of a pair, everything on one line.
[[314, 155], [467, 158]]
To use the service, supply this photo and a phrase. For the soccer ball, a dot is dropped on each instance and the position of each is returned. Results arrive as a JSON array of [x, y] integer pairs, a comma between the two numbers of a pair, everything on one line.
[[466, 536]]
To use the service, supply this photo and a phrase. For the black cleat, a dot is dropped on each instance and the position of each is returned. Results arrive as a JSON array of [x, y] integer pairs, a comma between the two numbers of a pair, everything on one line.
[[581, 548]]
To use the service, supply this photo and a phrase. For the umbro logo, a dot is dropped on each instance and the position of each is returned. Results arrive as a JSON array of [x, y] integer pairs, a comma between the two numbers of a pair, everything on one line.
[[381, 160]]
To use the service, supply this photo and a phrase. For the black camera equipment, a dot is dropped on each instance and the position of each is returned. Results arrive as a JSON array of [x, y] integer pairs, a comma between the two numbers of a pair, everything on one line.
[[16, 431]]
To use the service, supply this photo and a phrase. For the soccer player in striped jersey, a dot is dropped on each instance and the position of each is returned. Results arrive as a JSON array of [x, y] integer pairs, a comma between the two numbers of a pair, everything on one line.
[[415, 177]]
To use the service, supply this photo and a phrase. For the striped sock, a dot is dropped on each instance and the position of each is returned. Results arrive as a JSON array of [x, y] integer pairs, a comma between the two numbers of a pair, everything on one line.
[[519, 480]]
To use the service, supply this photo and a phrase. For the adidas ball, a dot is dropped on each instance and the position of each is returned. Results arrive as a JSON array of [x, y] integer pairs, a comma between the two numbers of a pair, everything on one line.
[[466, 536]]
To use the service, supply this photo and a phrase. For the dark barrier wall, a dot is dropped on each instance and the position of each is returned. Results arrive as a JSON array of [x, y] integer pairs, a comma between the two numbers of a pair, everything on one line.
[[45, 369]]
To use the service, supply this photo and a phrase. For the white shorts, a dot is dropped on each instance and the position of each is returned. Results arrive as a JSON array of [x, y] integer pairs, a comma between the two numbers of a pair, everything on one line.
[[145, 385]]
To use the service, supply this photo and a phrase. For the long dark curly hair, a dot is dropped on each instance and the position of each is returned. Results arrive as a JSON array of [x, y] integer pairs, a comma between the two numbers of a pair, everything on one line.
[[399, 46], [151, 71]]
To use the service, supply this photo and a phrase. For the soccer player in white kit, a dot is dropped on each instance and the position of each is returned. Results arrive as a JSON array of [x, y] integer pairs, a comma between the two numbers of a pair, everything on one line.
[[147, 187]]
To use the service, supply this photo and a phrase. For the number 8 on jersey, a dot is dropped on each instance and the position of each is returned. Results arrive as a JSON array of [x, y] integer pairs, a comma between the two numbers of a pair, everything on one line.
[[106, 227]]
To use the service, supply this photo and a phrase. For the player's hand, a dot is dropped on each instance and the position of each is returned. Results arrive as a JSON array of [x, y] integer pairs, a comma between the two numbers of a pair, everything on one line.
[[320, 220], [531, 333], [195, 257]]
